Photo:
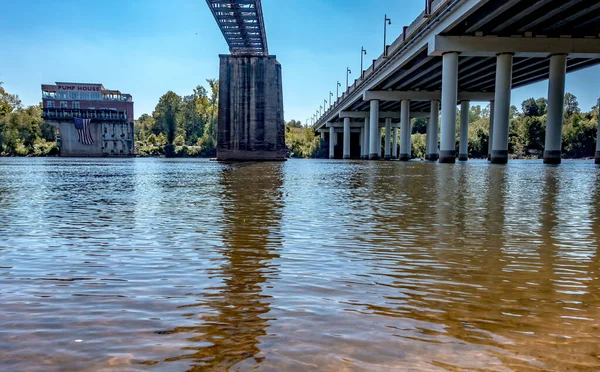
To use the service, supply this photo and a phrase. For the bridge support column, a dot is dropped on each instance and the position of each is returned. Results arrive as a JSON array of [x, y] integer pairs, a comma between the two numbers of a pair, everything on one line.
[[597, 155], [395, 143], [388, 135], [361, 141], [502, 110], [250, 109], [491, 130], [556, 99], [375, 134], [366, 142], [432, 132], [449, 98], [463, 147], [346, 138], [405, 131], [331, 141]]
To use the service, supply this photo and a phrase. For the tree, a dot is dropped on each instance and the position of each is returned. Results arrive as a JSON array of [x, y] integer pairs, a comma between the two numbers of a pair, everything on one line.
[[8, 102], [166, 113], [419, 126], [530, 107], [571, 105]]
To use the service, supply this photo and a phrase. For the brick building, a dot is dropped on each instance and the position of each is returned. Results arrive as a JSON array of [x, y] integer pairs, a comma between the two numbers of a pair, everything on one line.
[[107, 114]]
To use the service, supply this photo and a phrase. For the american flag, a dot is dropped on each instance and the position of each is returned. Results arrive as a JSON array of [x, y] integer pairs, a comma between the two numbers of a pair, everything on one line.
[[83, 131]]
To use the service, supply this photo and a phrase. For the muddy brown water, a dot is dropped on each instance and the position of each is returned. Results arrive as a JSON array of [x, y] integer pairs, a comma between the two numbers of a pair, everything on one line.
[[155, 264]]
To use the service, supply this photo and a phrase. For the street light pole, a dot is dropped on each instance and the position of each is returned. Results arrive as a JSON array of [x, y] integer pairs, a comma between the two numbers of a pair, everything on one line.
[[363, 53], [348, 72], [337, 90], [387, 21], [325, 106], [330, 95]]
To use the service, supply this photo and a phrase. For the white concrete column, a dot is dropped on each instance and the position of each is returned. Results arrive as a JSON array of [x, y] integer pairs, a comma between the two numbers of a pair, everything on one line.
[[449, 98], [502, 110], [405, 130], [374, 136], [366, 142], [346, 138], [395, 143], [491, 130], [388, 135], [432, 132], [597, 155], [322, 136], [463, 147], [331, 141], [556, 109], [361, 142]]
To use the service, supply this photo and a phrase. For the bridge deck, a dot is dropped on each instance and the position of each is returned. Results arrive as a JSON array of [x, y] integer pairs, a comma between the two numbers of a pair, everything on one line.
[[242, 25]]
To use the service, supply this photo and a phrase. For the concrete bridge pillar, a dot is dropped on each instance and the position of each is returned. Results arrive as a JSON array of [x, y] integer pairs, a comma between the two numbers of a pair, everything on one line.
[[346, 138], [405, 131], [375, 136], [463, 147], [366, 142], [395, 143], [388, 135], [597, 155], [449, 98], [361, 141], [556, 99], [491, 130], [502, 110], [331, 141], [432, 132]]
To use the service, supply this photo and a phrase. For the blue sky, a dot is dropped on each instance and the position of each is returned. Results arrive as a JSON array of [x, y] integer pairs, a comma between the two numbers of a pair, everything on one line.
[[148, 47]]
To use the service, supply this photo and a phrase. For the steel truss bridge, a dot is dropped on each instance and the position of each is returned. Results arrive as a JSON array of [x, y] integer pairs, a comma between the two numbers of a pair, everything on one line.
[[242, 25]]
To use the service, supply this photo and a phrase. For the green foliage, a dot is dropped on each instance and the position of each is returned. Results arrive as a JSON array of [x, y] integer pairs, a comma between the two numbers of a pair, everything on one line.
[[301, 142], [418, 147]]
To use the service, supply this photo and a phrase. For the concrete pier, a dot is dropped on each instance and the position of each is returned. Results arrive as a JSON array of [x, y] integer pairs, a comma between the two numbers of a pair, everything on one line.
[[331, 141], [432, 153], [556, 97], [366, 142], [388, 135], [374, 136], [449, 99], [463, 147], [502, 110], [251, 126], [395, 143], [491, 130], [597, 155], [346, 154], [405, 131]]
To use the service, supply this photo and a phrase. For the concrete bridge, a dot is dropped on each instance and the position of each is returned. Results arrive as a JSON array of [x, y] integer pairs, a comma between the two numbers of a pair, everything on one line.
[[251, 124], [458, 51]]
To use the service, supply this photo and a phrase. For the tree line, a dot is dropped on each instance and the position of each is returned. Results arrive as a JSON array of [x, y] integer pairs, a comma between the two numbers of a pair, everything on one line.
[[23, 132]]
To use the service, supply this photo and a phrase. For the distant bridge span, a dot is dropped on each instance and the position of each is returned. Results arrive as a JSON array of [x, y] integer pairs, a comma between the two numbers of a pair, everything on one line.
[[458, 51]]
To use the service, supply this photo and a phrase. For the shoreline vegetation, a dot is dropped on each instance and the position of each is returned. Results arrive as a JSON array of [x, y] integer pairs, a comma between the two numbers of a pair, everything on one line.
[[186, 126]]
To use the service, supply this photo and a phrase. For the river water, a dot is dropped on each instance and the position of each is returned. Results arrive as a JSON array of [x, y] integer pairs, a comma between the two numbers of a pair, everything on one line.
[[155, 264]]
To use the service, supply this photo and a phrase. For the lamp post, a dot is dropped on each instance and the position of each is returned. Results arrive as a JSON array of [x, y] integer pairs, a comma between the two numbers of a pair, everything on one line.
[[330, 95], [320, 110], [363, 53], [348, 72], [387, 21], [325, 106], [337, 90]]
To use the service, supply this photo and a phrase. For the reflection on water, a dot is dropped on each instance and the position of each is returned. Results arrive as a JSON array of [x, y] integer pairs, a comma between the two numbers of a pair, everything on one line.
[[144, 264]]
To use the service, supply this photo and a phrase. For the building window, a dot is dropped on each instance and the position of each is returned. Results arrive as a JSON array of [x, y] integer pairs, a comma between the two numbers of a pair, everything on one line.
[[50, 104], [63, 104], [75, 105]]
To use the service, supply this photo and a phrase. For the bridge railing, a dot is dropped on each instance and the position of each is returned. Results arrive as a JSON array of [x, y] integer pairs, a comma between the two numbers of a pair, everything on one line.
[[421, 21], [98, 114]]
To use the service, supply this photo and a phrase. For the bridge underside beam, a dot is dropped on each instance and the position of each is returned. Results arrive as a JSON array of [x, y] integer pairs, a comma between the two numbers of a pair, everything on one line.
[[382, 114], [489, 46], [425, 96]]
